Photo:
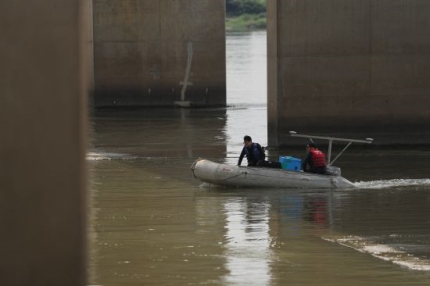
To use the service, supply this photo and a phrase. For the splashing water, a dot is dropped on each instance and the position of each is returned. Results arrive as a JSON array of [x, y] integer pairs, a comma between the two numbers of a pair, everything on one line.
[[101, 156], [380, 184], [395, 253]]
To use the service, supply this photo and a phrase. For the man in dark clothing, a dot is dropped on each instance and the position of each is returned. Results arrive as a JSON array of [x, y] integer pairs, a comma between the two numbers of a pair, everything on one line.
[[315, 159], [253, 151]]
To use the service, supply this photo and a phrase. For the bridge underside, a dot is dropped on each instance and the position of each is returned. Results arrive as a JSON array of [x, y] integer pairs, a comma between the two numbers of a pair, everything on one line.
[[356, 68]]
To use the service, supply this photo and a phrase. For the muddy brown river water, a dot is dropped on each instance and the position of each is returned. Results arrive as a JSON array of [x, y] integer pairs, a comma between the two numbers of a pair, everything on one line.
[[152, 223]]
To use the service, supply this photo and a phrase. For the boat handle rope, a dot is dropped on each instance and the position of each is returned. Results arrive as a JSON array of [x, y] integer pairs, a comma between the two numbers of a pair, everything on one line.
[[237, 175]]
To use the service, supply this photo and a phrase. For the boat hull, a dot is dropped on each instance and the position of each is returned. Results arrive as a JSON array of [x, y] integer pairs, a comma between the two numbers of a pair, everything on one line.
[[228, 175]]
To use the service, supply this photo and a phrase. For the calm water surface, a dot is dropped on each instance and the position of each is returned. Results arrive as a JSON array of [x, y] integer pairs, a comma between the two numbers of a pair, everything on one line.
[[152, 223]]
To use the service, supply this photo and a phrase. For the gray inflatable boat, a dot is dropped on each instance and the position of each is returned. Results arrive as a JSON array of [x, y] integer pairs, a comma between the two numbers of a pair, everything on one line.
[[228, 175]]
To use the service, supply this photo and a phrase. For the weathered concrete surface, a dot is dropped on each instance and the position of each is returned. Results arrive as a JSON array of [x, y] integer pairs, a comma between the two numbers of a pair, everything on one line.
[[43, 90], [357, 68], [142, 48]]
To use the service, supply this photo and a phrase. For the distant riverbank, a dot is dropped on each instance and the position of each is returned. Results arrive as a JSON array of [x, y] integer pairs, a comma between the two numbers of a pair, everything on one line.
[[246, 22], [243, 15]]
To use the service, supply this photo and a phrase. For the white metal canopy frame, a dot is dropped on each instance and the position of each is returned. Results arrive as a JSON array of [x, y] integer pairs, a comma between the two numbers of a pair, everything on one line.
[[330, 143]]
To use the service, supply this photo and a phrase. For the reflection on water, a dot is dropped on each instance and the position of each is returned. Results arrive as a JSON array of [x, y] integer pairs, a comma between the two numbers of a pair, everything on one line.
[[159, 132], [152, 223], [248, 240]]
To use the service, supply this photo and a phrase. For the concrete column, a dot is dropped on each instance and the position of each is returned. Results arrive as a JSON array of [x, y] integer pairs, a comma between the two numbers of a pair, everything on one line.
[[272, 72], [153, 53], [44, 94], [355, 68]]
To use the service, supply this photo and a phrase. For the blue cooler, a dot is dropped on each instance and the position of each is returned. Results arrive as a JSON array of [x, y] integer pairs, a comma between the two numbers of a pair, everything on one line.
[[290, 163]]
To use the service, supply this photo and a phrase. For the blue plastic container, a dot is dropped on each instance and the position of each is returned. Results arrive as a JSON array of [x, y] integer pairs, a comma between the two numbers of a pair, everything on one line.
[[290, 163]]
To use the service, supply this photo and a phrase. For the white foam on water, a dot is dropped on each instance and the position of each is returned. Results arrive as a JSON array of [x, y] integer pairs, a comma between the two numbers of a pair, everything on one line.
[[99, 156], [380, 184], [383, 251], [380, 249], [92, 156]]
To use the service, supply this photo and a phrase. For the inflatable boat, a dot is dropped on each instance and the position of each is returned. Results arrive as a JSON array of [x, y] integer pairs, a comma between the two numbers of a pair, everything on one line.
[[228, 175]]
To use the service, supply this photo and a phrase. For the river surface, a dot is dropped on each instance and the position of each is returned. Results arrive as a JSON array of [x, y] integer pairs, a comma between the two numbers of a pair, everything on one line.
[[152, 223]]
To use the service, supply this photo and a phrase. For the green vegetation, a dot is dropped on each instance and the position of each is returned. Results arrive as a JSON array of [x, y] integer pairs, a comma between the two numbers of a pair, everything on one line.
[[246, 22], [245, 14], [240, 7]]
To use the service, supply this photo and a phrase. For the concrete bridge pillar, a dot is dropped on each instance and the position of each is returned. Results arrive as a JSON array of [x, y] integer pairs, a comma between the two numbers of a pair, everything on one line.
[[153, 53], [356, 68], [44, 56]]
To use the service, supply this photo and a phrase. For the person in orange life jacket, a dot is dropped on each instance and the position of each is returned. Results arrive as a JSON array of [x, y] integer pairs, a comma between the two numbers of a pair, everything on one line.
[[315, 159], [253, 151]]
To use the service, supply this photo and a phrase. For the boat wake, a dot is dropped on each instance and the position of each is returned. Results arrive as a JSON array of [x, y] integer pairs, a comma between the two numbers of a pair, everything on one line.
[[100, 156], [380, 184], [391, 248]]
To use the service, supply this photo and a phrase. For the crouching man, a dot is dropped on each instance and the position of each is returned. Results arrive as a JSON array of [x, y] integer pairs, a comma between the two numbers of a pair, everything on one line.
[[253, 151], [315, 159]]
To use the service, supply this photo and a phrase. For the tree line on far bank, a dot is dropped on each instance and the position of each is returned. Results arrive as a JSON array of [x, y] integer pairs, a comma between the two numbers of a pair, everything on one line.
[[241, 7]]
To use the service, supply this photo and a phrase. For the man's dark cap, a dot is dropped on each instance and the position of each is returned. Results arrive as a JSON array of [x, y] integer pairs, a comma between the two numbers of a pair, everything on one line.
[[312, 145]]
